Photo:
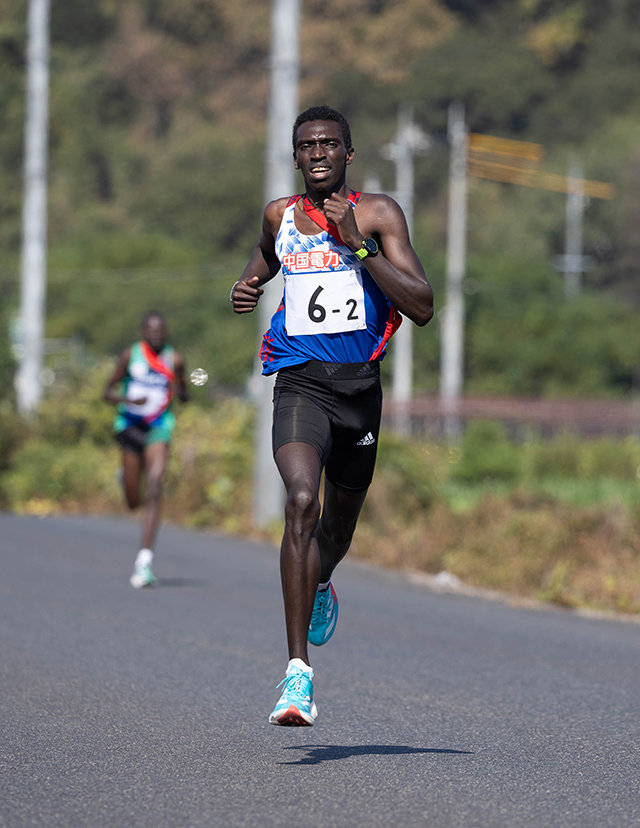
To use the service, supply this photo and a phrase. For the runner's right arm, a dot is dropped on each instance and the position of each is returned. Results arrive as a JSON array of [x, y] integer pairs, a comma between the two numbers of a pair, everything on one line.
[[263, 263], [110, 393]]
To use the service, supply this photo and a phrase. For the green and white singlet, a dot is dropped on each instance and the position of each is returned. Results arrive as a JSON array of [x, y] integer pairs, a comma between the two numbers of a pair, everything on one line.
[[154, 383]]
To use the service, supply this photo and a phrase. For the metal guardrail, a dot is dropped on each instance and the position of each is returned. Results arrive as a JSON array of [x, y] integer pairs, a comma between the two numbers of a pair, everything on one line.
[[585, 416]]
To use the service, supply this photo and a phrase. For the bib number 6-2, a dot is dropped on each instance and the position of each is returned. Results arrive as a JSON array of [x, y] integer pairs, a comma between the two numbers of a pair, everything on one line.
[[317, 312], [324, 303]]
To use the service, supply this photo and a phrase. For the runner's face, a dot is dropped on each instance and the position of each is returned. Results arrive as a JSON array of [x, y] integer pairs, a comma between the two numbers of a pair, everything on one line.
[[155, 333], [321, 155]]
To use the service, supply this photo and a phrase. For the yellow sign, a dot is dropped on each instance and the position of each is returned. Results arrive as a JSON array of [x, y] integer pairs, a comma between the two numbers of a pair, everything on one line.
[[490, 145], [517, 162]]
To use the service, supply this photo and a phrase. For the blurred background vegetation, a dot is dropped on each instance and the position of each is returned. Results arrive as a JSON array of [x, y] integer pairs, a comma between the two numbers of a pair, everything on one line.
[[157, 132], [549, 519], [157, 135]]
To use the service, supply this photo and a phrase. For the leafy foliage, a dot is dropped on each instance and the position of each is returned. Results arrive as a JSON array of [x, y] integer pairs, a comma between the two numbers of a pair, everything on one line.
[[486, 454], [157, 130]]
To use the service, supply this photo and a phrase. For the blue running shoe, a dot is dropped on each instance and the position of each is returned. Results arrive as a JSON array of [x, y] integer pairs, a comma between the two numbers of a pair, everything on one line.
[[324, 616], [295, 707]]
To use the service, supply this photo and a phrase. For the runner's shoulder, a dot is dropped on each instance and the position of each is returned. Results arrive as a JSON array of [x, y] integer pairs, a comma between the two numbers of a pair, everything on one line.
[[276, 208], [378, 212], [378, 201]]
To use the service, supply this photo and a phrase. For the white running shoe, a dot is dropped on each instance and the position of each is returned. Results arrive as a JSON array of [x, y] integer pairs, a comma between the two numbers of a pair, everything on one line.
[[295, 707], [143, 577]]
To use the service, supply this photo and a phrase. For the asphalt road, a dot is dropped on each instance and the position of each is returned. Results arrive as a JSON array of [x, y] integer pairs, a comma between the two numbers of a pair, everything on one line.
[[121, 707]]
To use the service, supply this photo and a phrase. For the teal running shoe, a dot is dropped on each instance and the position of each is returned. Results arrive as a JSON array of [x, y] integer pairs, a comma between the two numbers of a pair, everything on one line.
[[143, 577], [296, 707], [324, 616]]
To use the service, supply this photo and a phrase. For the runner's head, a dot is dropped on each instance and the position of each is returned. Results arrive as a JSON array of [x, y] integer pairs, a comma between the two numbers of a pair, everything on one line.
[[322, 151], [154, 330], [322, 113]]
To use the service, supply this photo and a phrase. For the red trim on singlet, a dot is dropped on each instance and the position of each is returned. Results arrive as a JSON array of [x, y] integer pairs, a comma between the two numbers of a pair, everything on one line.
[[393, 323], [155, 363], [394, 319], [319, 218]]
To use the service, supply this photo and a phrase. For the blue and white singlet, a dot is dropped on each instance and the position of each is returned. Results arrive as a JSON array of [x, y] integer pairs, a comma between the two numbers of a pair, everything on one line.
[[332, 310]]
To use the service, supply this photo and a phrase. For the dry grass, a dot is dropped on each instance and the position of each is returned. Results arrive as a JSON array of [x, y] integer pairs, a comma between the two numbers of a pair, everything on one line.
[[518, 544], [555, 528]]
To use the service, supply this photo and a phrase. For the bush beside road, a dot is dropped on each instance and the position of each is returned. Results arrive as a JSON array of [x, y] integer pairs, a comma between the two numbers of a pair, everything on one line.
[[555, 520]]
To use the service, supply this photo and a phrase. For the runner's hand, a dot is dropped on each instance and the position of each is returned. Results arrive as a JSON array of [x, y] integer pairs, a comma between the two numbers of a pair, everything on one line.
[[245, 295], [339, 211]]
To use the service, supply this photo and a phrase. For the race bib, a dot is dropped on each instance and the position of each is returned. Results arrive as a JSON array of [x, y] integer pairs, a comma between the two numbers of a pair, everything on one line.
[[156, 399], [324, 302]]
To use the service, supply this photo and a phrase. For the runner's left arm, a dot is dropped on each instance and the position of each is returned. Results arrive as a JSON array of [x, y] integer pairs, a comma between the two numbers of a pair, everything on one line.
[[182, 389], [396, 269]]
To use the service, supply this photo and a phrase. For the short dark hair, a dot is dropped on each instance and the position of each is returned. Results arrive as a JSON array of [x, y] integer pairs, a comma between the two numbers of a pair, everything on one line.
[[153, 314], [323, 113]]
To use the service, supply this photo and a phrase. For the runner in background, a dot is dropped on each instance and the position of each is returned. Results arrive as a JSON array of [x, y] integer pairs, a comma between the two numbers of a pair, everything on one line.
[[142, 386]]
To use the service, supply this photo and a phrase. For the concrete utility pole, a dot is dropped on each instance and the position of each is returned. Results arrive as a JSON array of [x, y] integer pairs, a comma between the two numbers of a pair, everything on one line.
[[410, 139], [573, 259], [452, 331], [283, 106], [572, 263], [34, 212]]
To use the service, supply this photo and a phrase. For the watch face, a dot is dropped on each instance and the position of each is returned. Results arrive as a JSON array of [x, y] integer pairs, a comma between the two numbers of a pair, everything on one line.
[[370, 246]]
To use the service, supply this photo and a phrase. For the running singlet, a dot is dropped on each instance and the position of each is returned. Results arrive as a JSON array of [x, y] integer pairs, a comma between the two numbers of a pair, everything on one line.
[[151, 376], [332, 309]]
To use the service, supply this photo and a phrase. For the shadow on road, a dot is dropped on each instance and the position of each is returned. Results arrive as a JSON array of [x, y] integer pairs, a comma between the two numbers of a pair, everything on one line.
[[327, 753]]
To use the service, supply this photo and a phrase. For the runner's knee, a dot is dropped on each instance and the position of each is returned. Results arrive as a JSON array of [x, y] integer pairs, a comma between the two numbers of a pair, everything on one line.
[[154, 487], [302, 509]]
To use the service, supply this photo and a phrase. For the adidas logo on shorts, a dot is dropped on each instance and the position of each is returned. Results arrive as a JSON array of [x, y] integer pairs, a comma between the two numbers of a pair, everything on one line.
[[330, 368], [367, 440], [365, 370]]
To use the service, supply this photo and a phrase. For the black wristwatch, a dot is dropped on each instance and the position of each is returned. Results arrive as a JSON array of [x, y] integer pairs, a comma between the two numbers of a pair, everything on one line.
[[369, 248]]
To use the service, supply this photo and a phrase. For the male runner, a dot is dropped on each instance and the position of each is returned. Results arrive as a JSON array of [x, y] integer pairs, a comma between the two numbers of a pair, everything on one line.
[[142, 386], [349, 269]]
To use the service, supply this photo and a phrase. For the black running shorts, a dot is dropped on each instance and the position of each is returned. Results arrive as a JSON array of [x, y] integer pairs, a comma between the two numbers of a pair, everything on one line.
[[134, 438], [336, 408]]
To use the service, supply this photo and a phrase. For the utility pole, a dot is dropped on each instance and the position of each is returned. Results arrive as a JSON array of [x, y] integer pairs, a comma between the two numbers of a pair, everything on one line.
[[410, 139], [572, 263], [452, 331], [34, 211], [283, 105], [573, 259]]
